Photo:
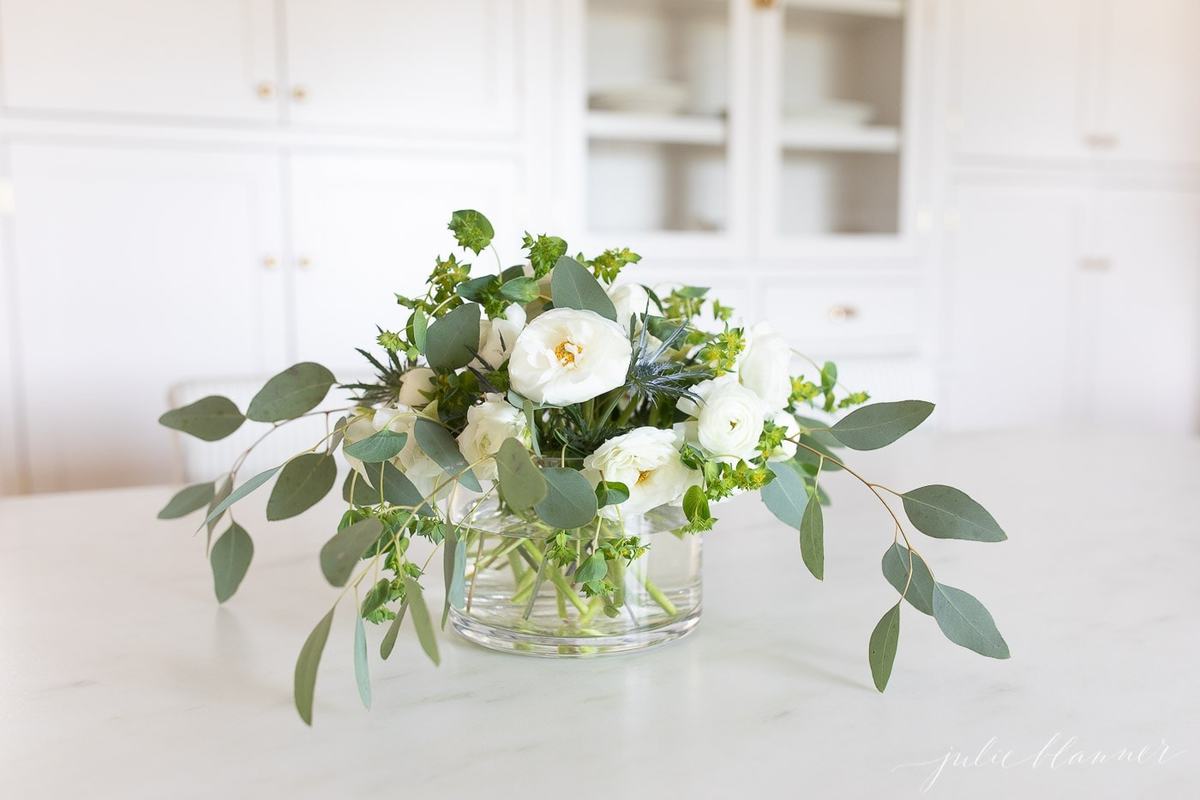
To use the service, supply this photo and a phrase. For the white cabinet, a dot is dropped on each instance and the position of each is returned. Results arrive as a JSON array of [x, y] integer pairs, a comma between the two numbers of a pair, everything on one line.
[[167, 58], [366, 227], [11, 433], [446, 66], [136, 268]]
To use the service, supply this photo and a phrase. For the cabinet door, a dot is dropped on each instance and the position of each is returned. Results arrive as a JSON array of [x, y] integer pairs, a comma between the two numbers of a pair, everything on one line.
[[164, 57], [1017, 84], [447, 66], [136, 269], [11, 451], [1009, 267], [1151, 109], [1142, 339], [368, 227]]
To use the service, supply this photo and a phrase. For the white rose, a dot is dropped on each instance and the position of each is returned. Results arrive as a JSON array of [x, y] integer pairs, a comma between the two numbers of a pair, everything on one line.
[[567, 356], [630, 300], [763, 367], [359, 428], [647, 461], [416, 387], [488, 425], [729, 419], [786, 449], [498, 336], [423, 471]]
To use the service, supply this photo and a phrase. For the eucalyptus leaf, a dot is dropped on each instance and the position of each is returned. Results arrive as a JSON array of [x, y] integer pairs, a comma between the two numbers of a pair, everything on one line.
[[570, 501], [572, 286], [343, 551], [186, 500], [222, 491], [230, 559], [520, 290], [895, 569], [966, 622], [818, 430], [458, 574], [298, 389], [301, 485], [611, 493], [452, 340], [379, 446], [398, 490], [306, 666], [420, 327], [812, 540], [209, 418], [449, 556], [881, 651], [805, 455], [475, 288], [339, 433], [238, 493], [437, 443], [786, 496], [472, 230], [947, 513], [358, 491], [389, 637], [362, 675], [522, 485], [420, 614], [880, 424]]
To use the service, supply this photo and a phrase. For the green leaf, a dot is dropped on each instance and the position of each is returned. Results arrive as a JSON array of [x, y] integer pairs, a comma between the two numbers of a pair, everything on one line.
[[457, 586], [306, 666], [363, 493], [452, 340], [806, 456], [209, 418], [812, 540], [449, 555], [230, 559], [398, 490], [298, 389], [572, 286], [880, 424], [818, 430], [786, 496], [520, 290], [946, 513], [389, 638], [375, 598], [420, 327], [339, 433], [522, 485], [437, 443], [593, 568], [187, 500], [421, 621], [301, 485], [222, 491], [471, 229], [379, 446], [881, 652], [475, 288], [240, 492], [966, 622], [895, 569], [695, 504], [611, 493], [343, 551], [569, 502], [362, 675]]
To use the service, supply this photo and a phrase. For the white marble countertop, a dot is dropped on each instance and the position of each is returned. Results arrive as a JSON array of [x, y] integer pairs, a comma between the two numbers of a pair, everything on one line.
[[121, 677]]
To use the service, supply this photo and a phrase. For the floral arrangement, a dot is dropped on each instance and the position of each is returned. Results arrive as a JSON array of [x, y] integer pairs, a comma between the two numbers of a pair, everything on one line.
[[555, 421]]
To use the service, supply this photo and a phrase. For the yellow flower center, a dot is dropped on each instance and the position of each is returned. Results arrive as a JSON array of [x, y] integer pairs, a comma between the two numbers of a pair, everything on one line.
[[567, 352], [644, 476]]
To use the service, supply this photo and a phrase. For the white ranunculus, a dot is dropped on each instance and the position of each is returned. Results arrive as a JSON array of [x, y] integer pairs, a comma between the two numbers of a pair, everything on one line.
[[786, 449], [498, 336], [567, 356], [416, 387], [647, 461], [729, 418], [488, 425], [763, 367], [630, 300]]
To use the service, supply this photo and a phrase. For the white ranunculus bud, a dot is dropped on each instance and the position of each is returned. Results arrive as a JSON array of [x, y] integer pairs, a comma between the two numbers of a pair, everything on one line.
[[630, 300], [567, 356], [786, 449], [647, 461], [498, 336], [764, 365], [488, 425], [729, 418], [416, 387]]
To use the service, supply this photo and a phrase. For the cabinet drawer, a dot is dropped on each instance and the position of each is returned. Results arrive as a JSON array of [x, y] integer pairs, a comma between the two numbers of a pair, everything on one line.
[[834, 320]]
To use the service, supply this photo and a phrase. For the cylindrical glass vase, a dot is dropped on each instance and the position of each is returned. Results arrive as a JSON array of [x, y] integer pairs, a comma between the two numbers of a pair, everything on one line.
[[525, 593]]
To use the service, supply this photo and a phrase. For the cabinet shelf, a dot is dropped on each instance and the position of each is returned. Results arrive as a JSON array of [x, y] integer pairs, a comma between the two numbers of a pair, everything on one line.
[[870, 8], [839, 138], [666, 128]]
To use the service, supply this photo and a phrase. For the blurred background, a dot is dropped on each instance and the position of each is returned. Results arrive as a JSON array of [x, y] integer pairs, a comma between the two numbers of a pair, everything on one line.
[[989, 203]]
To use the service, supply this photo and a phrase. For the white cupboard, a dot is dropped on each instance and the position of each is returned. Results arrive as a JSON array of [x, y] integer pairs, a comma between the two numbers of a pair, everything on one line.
[[136, 268]]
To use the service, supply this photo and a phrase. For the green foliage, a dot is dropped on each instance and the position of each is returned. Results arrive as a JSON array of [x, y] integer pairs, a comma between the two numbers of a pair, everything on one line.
[[682, 304], [611, 493], [230, 559], [571, 286], [238, 493], [522, 484], [452, 340], [389, 638], [608, 265], [544, 252], [786, 496], [881, 650], [362, 675], [209, 418], [187, 500], [437, 443], [696, 510], [309, 660], [421, 621], [812, 540], [520, 290], [880, 424], [965, 621], [379, 446], [223, 488], [374, 604], [947, 513], [390, 341], [722, 351], [570, 501], [301, 485], [343, 551], [896, 564], [471, 229], [296, 390]]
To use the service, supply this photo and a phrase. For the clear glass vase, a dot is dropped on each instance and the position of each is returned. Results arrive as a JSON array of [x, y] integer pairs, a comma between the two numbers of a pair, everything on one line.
[[521, 601]]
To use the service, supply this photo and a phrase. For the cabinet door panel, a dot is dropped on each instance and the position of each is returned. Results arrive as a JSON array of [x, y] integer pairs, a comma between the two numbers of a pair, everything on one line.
[[447, 66], [136, 269], [162, 57], [366, 228]]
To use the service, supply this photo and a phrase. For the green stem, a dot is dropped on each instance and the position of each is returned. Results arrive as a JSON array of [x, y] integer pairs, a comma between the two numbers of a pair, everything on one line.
[[660, 598], [556, 577]]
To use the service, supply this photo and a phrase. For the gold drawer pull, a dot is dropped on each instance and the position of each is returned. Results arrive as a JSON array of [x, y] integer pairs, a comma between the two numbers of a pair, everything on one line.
[[842, 313]]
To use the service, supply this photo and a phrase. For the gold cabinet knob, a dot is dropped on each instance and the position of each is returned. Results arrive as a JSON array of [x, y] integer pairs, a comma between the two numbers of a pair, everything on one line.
[[265, 90], [304, 262], [764, 3], [1095, 264], [842, 313], [270, 262], [299, 93]]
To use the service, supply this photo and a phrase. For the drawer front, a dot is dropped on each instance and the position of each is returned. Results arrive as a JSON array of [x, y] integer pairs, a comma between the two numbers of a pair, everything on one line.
[[829, 320]]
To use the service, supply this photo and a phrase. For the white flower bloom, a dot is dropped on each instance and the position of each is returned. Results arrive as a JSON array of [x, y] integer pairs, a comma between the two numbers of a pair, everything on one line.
[[786, 449], [729, 420], [497, 337], [567, 356], [763, 367], [416, 386], [359, 428], [647, 461], [419, 468], [630, 299], [488, 425]]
